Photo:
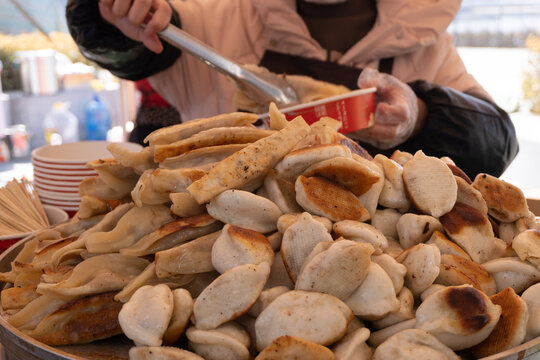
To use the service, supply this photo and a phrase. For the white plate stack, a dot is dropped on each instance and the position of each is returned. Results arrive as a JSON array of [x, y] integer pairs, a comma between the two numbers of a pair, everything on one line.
[[58, 170]]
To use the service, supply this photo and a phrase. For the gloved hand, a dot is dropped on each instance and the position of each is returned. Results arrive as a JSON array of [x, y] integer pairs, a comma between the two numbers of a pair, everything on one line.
[[396, 110], [128, 16]]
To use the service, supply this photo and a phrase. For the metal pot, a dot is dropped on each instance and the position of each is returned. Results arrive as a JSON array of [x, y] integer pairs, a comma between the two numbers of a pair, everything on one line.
[[38, 71]]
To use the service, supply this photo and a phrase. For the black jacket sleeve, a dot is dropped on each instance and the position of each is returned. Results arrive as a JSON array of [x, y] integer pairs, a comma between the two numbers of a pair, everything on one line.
[[475, 133], [104, 44]]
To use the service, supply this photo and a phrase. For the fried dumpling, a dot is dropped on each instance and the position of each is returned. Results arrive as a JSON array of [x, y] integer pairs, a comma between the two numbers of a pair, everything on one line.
[[17, 297], [527, 246], [446, 246], [192, 257], [184, 205], [531, 296], [385, 220], [394, 269], [458, 316], [139, 161], [97, 274], [155, 186], [201, 158], [28, 317], [430, 184], [375, 297], [370, 199], [211, 137], [172, 234], [337, 271], [467, 194], [287, 220], [184, 130], [347, 172], [107, 223], [473, 232], [148, 277], [323, 197], [312, 316], [114, 174], [422, 262], [96, 187], [230, 295], [414, 344], [512, 272], [405, 311], [414, 229], [227, 342], [299, 240], [182, 311], [238, 246], [456, 270], [249, 164], [353, 346], [393, 194], [95, 318], [136, 223], [297, 161], [505, 201], [376, 338], [291, 347], [245, 210], [361, 232], [146, 316], [511, 327], [266, 297], [281, 192]]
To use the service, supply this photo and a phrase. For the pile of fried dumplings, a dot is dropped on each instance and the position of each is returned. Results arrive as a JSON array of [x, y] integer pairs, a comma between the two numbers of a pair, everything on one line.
[[222, 240]]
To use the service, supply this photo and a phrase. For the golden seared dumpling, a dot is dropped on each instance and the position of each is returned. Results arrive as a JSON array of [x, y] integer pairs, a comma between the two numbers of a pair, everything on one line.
[[146, 316], [238, 246], [459, 316], [414, 344], [297, 161], [511, 328], [290, 347]]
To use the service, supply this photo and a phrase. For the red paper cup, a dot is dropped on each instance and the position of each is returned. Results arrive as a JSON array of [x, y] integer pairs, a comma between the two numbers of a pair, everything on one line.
[[354, 109]]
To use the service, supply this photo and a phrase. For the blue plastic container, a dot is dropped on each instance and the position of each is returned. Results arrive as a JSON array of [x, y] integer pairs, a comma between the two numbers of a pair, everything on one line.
[[97, 119]]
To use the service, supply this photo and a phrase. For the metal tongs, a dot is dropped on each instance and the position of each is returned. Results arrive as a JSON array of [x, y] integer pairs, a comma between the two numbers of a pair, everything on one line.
[[262, 88]]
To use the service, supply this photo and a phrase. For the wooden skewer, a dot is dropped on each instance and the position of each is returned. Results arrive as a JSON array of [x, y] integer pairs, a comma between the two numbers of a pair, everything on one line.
[[20, 208]]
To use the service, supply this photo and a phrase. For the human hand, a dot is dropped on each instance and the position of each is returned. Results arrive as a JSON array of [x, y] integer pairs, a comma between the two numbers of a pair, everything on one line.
[[396, 111], [129, 15]]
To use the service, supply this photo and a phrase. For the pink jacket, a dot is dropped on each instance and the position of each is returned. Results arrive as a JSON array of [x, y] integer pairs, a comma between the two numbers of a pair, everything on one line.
[[411, 31]]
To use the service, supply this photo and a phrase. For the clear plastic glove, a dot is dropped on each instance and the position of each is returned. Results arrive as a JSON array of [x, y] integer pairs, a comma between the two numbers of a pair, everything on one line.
[[129, 15], [396, 110]]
